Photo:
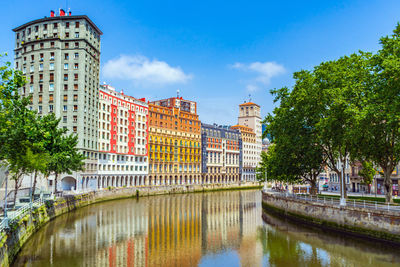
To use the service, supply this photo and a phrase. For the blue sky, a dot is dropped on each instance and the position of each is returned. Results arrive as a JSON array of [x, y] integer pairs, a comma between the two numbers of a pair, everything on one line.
[[216, 52]]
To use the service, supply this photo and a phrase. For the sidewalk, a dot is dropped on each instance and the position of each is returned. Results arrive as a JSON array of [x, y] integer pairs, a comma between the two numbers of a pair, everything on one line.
[[354, 194]]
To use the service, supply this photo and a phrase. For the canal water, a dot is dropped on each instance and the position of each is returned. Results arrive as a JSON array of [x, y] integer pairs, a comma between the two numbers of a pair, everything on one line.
[[210, 229]]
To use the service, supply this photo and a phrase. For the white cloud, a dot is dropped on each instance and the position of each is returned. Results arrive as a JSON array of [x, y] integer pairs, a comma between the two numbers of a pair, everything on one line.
[[265, 72], [142, 70], [251, 87]]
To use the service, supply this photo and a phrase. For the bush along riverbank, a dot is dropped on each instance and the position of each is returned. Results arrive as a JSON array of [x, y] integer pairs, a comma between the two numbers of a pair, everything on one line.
[[376, 224], [21, 229]]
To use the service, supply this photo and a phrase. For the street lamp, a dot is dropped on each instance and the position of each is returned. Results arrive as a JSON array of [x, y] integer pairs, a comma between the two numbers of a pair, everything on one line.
[[5, 219]]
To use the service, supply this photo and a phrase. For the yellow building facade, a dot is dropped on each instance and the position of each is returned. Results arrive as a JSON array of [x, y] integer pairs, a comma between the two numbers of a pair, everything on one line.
[[174, 143]]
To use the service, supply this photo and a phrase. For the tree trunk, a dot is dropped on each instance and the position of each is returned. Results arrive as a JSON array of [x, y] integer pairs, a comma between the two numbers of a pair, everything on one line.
[[313, 189], [34, 186], [16, 188], [387, 181], [344, 181], [55, 183]]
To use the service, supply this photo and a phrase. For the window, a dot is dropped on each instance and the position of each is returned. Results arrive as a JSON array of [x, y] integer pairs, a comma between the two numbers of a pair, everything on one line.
[[67, 35], [32, 68], [24, 70], [41, 77], [52, 56], [31, 78], [76, 76], [76, 44], [75, 97], [77, 35], [36, 28], [41, 67], [76, 55], [75, 129], [66, 56], [32, 58], [67, 25], [51, 77], [75, 87], [51, 87], [51, 107], [75, 118], [55, 25], [52, 45], [51, 66], [65, 118], [76, 66], [75, 107], [66, 45], [77, 24], [65, 87], [65, 98], [31, 89], [65, 66], [51, 98], [65, 77], [40, 109], [65, 108], [45, 27]]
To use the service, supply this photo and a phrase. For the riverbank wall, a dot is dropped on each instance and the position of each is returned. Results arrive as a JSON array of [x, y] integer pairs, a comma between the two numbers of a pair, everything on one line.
[[12, 240], [374, 224]]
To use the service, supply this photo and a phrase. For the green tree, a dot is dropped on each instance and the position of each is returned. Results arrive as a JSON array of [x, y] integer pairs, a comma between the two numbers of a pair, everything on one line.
[[62, 148], [380, 123], [16, 126], [367, 173], [295, 156]]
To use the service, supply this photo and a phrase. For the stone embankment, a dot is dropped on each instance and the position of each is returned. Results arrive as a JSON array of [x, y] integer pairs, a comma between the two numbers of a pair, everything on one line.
[[12, 240], [365, 222]]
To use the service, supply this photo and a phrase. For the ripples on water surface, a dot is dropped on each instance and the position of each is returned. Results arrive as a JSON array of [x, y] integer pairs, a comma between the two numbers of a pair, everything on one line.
[[211, 229]]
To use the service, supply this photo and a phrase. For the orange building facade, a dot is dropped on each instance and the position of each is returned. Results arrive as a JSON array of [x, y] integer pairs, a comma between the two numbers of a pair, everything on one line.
[[174, 142]]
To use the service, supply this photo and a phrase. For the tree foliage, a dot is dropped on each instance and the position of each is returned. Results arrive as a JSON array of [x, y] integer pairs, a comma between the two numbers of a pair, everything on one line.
[[347, 108], [30, 143]]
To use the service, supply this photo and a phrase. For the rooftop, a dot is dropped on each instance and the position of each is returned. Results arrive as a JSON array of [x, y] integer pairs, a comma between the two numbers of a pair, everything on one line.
[[249, 104], [61, 17]]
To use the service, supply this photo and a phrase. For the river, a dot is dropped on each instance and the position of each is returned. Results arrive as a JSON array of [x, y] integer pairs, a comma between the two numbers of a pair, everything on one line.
[[225, 228]]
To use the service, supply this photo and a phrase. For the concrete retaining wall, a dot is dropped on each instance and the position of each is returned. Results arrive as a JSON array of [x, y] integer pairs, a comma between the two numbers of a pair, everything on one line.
[[377, 224]]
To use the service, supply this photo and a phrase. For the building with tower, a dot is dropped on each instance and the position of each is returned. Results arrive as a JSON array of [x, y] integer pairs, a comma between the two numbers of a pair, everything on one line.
[[249, 153], [250, 116], [60, 57]]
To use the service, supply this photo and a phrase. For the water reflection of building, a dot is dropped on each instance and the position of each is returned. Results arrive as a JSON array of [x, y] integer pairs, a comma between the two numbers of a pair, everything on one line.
[[230, 220], [172, 230]]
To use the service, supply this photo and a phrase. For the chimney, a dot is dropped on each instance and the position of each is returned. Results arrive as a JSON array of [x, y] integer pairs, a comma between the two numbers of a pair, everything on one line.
[[51, 13], [62, 13]]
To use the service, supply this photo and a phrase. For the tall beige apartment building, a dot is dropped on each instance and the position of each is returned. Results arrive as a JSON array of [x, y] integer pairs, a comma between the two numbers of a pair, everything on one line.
[[60, 57]]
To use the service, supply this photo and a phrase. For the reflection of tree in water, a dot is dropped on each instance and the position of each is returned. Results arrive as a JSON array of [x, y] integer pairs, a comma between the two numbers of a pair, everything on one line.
[[282, 250], [308, 246]]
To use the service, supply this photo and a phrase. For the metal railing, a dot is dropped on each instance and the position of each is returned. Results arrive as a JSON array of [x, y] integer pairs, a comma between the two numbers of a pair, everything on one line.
[[335, 201], [15, 215]]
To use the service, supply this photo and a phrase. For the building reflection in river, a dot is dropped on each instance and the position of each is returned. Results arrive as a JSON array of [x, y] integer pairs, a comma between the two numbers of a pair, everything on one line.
[[174, 230], [211, 229]]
